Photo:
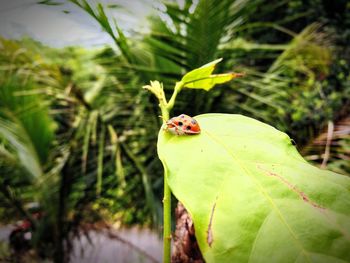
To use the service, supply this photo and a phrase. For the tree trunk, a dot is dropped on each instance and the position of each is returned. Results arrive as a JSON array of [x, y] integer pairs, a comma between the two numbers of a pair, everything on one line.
[[185, 247]]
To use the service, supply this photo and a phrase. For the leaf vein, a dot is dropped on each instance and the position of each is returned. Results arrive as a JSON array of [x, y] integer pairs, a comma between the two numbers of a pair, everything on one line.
[[263, 192]]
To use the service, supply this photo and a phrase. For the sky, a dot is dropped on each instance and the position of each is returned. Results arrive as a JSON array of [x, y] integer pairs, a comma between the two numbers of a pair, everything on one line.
[[52, 25]]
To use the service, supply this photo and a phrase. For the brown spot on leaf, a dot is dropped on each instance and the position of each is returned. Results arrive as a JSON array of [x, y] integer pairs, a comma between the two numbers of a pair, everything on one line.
[[210, 238], [301, 194]]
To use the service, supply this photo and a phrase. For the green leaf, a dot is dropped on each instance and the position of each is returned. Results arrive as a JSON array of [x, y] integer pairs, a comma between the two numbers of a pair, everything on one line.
[[18, 140], [100, 160], [49, 2], [201, 78], [252, 197]]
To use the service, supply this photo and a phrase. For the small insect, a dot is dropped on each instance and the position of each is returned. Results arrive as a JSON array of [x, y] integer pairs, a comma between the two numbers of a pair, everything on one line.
[[182, 125]]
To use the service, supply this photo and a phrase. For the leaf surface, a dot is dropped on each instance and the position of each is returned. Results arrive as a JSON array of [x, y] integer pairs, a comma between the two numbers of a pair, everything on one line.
[[201, 78], [252, 197]]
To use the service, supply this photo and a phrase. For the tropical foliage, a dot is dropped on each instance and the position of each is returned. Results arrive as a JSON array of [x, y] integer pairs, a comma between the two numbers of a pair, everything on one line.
[[78, 133]]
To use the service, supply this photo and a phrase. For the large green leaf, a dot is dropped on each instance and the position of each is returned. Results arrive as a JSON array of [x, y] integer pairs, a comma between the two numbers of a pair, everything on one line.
[[252, 197]]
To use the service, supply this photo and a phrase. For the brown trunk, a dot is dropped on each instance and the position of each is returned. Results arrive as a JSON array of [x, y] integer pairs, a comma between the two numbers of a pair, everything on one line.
[[185, 247]]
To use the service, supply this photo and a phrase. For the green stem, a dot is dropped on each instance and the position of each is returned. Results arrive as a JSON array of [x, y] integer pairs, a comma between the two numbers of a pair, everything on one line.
[[165, 114], [166, 199], [166, 107], [177, 89], [167, 221]]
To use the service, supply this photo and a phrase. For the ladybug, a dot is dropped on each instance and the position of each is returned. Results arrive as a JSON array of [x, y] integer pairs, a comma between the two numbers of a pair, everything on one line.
[[182, 125]]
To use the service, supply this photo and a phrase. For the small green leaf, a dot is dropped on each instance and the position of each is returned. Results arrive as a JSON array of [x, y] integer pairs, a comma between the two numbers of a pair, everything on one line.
[[119, 169], [49, 2], [252, 197], [201, 78], [208, 82], [100, 160], [114, 6], [203, 71], [156, 88]]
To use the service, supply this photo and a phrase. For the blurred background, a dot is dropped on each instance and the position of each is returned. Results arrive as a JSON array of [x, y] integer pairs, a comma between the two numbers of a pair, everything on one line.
[[80, 180]]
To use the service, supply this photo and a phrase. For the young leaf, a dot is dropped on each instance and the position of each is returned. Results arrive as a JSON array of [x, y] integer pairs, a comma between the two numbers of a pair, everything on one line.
[[252, 197], [203, 71], [201, 78], [207, 83]]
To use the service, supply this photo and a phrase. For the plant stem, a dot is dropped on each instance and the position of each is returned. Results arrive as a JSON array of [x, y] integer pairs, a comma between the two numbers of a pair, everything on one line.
[[166, 108], [177, 89], [167, 220], [166, 199], [157, 89]]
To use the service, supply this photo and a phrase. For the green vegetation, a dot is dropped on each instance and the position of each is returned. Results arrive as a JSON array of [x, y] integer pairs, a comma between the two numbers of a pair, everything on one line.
[[78, 133]]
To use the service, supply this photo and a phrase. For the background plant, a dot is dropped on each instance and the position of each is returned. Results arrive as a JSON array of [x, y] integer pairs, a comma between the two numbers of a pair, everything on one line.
[[93, 152]]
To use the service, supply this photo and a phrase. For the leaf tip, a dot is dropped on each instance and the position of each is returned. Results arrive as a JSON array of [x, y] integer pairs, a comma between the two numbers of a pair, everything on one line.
[[213, 63], [238, 75]]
